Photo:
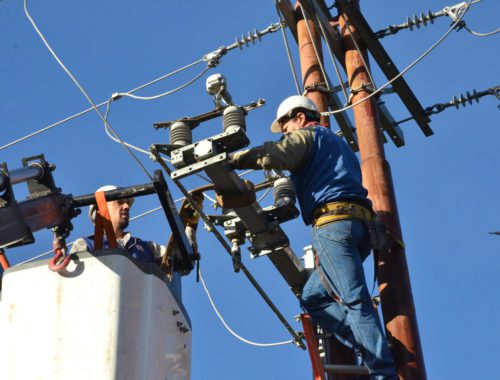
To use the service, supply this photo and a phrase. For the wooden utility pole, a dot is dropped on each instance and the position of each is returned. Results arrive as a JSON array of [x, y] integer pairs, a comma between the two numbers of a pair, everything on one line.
[[309, 62], [393, 277], [337, 353]]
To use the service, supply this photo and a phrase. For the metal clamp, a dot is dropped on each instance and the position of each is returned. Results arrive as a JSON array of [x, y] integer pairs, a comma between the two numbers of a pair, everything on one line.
[[213, 58], [316, 86], [367, 87]]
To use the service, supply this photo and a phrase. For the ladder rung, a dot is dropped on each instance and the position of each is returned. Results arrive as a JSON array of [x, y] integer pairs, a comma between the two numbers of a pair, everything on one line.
[[346, 369]]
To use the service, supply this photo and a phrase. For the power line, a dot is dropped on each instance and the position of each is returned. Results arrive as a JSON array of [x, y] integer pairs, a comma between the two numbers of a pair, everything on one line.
[[210, 299], [287, 48], [191, 81], [380, 89], [334, 61], [82, 89], [477, 34], [209, 296], [315, 48], [425, 18], [212, 59]]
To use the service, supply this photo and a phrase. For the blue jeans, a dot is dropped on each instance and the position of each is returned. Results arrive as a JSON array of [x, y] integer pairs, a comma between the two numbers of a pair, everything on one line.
[[341, 248]]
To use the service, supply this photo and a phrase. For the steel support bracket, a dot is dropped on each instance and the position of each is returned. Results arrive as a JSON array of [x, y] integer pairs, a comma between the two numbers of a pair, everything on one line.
[[390, 126], [195, 121], [199, 166], [262, 226], [232, 139]]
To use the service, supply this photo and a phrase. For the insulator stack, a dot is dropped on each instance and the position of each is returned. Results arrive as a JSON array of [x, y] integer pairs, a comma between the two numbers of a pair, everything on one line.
[[252, 37], [468, 98], [234, 117], [180, 134], [462, 100], [283, 192], [423, 19]]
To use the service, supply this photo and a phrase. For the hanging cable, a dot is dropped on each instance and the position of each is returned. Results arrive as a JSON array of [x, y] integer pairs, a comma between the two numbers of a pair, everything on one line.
[[481, 34], [154, 81], [210, 299], [51, 126], [69, 244], [246, 172], [204, 188], [212, 228], [212, 59], [202, 282], [82, 90], [334, 61], [453, 26], [191, 81], [264, 195], [109, 133], [287, 48]]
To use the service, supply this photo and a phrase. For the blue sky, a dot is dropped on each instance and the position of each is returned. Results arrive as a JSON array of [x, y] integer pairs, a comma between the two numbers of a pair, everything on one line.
[[447, 184]]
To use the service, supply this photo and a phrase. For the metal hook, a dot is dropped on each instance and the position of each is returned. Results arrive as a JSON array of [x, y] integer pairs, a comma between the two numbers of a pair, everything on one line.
[[55, 264]]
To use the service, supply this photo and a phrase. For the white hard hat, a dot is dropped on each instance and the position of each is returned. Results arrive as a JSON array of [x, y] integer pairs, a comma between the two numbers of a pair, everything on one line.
[[289, 104], [92, 208]]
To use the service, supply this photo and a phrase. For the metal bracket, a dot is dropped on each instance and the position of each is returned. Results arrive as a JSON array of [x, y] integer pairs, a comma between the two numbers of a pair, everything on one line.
[[195, 168], [45, 184], [390, 126], [194, 121], [232, 139]]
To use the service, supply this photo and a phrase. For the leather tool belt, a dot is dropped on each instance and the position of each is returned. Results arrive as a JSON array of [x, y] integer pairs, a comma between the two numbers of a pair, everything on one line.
[[335, 211]]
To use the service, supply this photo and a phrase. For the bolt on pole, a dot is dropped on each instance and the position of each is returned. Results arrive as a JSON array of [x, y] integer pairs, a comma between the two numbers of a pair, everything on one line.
[[393, 276]]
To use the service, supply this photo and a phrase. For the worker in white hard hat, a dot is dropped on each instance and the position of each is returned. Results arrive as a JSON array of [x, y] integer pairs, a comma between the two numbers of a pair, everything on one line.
[[326, 176]]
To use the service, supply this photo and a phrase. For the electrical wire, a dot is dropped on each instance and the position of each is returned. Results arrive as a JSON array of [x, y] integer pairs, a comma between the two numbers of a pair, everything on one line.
[[33, 134], [380, 89], [109, 133], [131, 219], [334, 61], [361, 55], [246, 172], [106, 114], [191, 81], [315, 48], [71, 243], [210, 198], [75, 81], [231, 330], [477, 34], [213, 229], [264, 195], [287, 48], [154, 81], [212, 60], [202, 282]]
